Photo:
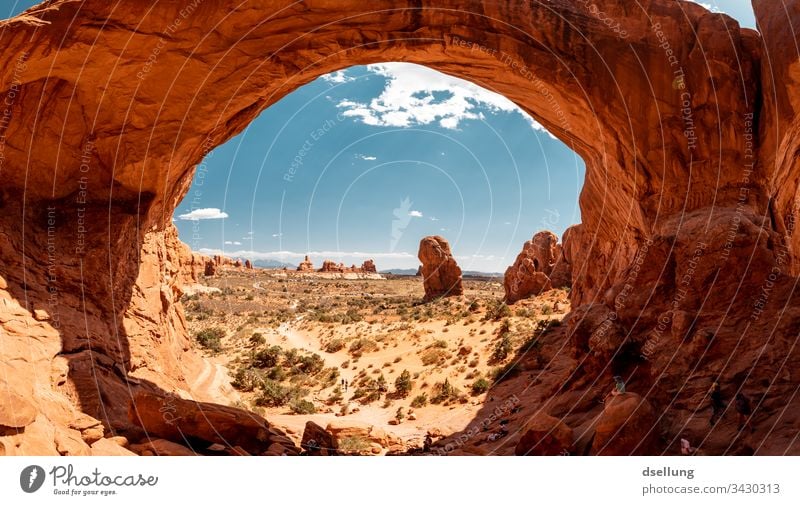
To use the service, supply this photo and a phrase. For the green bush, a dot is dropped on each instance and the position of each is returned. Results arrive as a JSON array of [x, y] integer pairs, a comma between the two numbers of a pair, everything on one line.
[[302, 406], [210, 338], [502, 349], [480, 386], [247, 379], [257, 339], [267, 358], [353, 445], [403, 384], [444, 392], [419, 401], [506, 372], [497, 310], [362, 345], [273, 394]]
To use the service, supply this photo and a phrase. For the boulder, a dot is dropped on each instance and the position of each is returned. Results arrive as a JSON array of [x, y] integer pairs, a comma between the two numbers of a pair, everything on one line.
[[544, 435], [15, 411], [317, 441], [107, 447], [161, 447], [627, 426], [441, 273], [176, 419]]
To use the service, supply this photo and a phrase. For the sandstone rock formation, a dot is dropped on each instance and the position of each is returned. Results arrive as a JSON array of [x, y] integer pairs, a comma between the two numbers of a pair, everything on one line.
[[332, 266], [544, 435], [318, 442], [369, 267], [686, 122], [305, 266], [627, 426], [538, 268], [210, 269], [441, 274], [248, 264], [343, 429], [179, 420]]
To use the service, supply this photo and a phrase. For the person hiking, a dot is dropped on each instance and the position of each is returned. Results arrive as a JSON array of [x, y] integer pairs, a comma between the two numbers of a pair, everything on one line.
[[619, 385], [744, 410], [426, 445], [717, 404], [686, 447]]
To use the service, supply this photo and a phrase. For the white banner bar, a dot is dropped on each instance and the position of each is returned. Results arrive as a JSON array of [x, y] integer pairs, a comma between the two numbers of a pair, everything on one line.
[[351, 480]]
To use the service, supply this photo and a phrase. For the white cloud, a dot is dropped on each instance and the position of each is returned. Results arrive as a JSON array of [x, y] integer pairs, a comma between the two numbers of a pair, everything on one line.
[[276, 235], [712, 7], [366, 158], [416, 95], [415, 213], [232, 242], [433, 218], [337, 77], [200, 214]]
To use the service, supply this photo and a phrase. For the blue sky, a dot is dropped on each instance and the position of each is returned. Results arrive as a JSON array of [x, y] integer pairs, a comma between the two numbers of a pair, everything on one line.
[[364, 162]]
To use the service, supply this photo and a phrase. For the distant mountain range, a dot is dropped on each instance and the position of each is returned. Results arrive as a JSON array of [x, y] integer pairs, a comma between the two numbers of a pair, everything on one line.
[[272, 264], [465, 273]]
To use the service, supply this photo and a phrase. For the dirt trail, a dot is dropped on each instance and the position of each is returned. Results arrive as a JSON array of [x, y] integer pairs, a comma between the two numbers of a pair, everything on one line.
[[213, 384]]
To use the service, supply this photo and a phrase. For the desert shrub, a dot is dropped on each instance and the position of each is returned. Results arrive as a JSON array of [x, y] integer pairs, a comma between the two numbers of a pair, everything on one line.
[[273, 394], [210, 338], [497, 310], [353, 445], [276, 373], [419, 401], [267, 358], [505, 372], [547, 309], [302, 406], [434, 356], [505, 327], [335, 345], [335, 397], [502, 349], [381, 384], [257, 339], [310, 365], [531, 344], [403, 384], [247, 379], [480, 386], [444, 392], [362, 345]]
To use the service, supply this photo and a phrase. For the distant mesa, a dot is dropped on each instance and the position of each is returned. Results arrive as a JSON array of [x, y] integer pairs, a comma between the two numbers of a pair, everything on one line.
[[368, 267], [540, 267], [441, 274], [305, 265]]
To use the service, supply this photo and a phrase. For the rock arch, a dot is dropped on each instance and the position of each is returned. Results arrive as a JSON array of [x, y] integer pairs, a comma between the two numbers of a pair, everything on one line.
[[108, 110]]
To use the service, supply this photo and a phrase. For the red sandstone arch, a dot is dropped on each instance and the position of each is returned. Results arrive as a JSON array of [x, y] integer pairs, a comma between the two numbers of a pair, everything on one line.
[[111, 105]]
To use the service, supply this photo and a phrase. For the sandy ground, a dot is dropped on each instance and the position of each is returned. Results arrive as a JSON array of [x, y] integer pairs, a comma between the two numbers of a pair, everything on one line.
[[306, 313]]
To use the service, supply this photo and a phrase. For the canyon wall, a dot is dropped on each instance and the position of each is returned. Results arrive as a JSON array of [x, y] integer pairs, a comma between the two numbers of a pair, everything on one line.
[[685, 121]]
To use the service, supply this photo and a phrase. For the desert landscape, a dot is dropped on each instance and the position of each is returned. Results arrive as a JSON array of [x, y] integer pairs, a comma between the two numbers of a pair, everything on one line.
[[665, 323]]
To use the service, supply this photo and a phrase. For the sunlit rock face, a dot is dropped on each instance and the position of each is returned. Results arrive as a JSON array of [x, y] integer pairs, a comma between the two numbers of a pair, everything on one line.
[[686, 123]]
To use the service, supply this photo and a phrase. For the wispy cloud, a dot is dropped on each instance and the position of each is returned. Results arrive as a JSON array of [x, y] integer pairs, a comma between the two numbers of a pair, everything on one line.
[[232, 242], [276, 235], [202, 214], [416, 95], [338, 77], [365, 157], [415, 213]]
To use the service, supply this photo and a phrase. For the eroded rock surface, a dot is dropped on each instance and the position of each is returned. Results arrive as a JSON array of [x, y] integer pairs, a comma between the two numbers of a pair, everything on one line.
[[441, 274]]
